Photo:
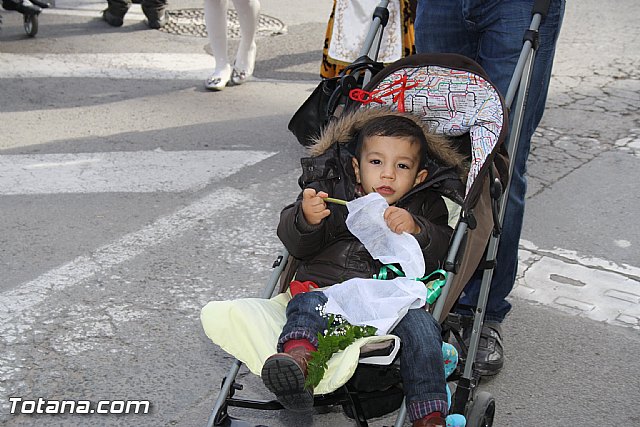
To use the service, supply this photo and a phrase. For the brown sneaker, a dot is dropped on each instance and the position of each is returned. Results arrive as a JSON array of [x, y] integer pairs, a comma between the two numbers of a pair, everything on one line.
[[284, 375], [430, 422]]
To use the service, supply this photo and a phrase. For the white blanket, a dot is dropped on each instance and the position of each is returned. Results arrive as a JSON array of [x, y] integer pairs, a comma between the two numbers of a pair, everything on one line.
[[248, 329]]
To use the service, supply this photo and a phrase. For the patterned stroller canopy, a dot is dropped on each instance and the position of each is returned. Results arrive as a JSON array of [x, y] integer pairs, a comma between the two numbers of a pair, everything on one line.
[[452, 95]]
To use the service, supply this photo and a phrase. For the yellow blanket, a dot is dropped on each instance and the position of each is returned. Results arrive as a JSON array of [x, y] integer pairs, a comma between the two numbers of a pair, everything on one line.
[[248, 329]]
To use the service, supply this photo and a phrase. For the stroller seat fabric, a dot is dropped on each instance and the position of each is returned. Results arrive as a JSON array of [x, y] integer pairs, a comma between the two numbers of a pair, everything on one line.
[[450, 101]]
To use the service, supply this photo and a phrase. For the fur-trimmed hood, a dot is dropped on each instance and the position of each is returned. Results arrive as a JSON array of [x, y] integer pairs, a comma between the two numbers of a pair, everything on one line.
[[345, 129]]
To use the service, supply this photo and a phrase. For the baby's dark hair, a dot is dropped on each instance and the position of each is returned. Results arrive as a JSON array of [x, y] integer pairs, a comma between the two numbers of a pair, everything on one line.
[[395, 126]]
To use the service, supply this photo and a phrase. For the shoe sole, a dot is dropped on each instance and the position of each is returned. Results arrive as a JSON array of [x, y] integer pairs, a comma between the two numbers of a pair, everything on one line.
[[284, 378], [213, 88]]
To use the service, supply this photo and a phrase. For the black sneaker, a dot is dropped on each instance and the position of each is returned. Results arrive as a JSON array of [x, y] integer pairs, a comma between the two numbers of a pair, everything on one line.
[[156, 19], [112, 19], [490, 354]]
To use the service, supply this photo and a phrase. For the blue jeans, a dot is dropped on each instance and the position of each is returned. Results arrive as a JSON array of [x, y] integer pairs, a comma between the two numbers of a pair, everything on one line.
[[491, 33], [421, 363]]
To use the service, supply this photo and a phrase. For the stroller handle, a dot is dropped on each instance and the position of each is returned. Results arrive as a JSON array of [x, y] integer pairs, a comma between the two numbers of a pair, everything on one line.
[[380, 18]]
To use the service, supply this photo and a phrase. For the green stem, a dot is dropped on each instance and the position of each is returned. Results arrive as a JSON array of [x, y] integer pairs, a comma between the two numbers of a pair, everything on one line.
[[336, 201]]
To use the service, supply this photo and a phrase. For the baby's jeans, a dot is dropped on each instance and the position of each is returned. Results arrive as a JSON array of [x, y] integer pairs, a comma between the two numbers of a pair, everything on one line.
[[421, 363]]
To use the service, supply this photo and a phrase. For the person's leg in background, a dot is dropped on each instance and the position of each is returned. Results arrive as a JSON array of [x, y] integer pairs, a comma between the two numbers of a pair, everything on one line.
[[215, 16], [248, 13], [115, 11], [502, 27], [440, 27], [500, 46], [498, 27], [155, 11]]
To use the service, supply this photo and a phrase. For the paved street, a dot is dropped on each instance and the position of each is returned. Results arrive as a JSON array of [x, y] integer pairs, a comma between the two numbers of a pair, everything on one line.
[[130, 197]]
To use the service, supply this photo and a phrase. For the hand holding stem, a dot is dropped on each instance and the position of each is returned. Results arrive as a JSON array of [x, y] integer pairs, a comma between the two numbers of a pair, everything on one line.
[[314, 207]]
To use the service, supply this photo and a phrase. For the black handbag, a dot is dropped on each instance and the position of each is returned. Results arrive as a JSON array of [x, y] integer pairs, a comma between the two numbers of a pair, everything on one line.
[[312, 116], [307, 123]]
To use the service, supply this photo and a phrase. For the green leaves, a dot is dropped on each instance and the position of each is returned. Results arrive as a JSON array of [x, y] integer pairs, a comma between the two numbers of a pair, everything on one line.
[[339, 335]]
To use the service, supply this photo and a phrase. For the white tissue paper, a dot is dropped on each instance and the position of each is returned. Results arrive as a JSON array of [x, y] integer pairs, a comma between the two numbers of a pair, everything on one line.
[[379, 303], [366, 222]]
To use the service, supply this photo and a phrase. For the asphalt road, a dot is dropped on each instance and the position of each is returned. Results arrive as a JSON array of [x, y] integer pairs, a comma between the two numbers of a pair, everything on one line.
[[130, 197]]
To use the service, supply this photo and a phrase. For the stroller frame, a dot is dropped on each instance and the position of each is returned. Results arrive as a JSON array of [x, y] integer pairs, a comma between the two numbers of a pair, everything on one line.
[[477, 406]]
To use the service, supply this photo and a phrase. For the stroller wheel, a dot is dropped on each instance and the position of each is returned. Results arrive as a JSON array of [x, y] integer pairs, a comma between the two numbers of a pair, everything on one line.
[[31, 24], [481, 410]]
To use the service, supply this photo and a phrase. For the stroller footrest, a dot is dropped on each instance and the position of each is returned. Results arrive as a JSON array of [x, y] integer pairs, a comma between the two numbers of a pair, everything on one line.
[[380, 353], [254, 403]]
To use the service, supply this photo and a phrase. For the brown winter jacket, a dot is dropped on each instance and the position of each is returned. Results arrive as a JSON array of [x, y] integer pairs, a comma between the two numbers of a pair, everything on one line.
[[328, 253]]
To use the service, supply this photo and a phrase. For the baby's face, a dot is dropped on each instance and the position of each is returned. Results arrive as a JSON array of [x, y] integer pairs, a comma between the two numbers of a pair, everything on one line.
[[389, 165]]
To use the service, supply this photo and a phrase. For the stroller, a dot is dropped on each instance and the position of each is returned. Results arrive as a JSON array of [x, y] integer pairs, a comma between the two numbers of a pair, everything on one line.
[[29, 10], [453, 96]]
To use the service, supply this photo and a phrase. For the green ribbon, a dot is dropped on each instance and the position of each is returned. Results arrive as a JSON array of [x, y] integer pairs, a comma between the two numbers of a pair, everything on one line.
[[434, 287], [384, 270]]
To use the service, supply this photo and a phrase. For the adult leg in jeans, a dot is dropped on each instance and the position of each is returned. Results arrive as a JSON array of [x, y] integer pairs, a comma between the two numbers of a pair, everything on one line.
[[492, 34], [421, 364]]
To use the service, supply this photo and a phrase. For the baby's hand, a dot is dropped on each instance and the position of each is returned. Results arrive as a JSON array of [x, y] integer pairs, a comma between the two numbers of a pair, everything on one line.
[[314, 208], [400, 220]]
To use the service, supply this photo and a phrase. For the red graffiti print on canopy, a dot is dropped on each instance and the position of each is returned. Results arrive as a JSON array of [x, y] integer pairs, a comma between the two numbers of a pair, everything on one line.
[[396, 89], [449, 101]]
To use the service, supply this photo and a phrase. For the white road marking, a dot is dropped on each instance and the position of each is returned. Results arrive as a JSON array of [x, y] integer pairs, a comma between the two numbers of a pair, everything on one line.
[[623, 243], [15, 302], [95, 11], [590, 287], [181, 66], [132, 172], [86, 4]]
